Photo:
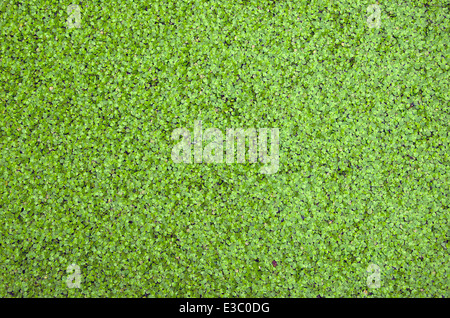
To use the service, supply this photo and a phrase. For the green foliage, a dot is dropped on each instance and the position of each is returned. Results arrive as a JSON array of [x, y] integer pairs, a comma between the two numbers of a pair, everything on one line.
[[85, 149]]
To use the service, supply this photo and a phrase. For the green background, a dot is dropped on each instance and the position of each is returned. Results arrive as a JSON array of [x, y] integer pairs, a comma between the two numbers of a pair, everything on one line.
[[85, 149]]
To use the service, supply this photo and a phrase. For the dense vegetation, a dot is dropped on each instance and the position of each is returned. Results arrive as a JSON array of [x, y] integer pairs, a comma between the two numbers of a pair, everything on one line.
[[85, 142]]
